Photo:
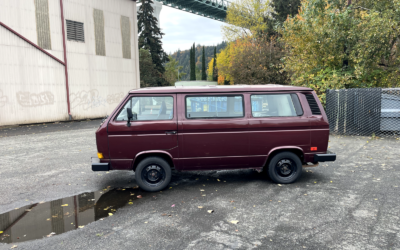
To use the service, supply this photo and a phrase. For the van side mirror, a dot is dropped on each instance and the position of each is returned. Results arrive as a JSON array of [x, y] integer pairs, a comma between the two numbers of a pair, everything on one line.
[[131, 116]]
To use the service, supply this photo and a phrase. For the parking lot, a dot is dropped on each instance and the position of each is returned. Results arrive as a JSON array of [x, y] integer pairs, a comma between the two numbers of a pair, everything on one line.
[[353, 203]]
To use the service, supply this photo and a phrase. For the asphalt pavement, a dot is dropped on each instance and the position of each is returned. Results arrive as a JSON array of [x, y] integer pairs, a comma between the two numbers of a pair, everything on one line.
[[353, 203]]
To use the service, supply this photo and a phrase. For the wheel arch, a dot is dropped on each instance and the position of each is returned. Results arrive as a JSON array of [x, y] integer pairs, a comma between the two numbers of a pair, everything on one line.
[[159, 153], [296, 150]]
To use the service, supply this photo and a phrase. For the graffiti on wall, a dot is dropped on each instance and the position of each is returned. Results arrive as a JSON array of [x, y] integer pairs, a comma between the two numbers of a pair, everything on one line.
[[27, 99], [87, 99], [3, 99], [115, 98]]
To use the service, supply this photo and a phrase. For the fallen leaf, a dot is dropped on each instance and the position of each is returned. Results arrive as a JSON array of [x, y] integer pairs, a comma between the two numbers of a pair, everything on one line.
[[145, 222], [28, 210], [1, 232], [81, 226], [173, 205], [279, 185], [48, 219], [376, 199], [200, 206], [218, 180], [132, 194], [41, 202], [139, 196], [305, 194], [203, 195], [110, 214], [65, 205], [201, 190], [130, 203], [106, 208], [210, 211], [331, 181], [234, 222], [164, 215], [279, 201], [15, 246]]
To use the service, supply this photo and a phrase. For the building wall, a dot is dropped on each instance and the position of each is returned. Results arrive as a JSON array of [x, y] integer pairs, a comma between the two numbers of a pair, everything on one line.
[[32, 84], [96, 83]]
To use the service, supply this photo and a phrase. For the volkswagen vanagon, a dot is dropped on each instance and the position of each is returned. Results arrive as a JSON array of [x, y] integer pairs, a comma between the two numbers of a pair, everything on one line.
[[279, 129]]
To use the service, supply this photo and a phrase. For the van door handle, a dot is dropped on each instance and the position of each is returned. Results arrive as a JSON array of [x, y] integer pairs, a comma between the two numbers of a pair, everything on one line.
[[170, 132]]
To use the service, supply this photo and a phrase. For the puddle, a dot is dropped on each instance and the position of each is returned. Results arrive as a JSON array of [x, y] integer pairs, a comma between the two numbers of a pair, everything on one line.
[[47, 219]]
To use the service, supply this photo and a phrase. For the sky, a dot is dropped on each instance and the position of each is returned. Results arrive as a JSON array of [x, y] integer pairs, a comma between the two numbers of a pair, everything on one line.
[[182, 29]]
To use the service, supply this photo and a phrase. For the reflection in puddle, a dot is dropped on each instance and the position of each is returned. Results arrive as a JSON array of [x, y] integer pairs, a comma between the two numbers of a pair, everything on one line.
[[44, 219]]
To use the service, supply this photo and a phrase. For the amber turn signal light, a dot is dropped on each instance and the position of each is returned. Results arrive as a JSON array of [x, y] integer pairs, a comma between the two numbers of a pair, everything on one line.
[[313, 148], [100, 155]]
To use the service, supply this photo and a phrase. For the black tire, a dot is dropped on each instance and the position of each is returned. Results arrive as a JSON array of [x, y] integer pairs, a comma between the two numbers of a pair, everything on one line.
[[153, 174], [285, 168]]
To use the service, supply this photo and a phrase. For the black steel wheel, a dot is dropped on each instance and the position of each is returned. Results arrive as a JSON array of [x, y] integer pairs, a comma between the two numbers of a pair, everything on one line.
[[285, 168], [153, 174]]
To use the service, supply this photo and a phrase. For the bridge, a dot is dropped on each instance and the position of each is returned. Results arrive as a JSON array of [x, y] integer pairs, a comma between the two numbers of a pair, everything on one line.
[[214, 9]]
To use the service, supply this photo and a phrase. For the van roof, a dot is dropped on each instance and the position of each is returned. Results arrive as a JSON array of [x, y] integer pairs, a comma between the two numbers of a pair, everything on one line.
[[219, 88]]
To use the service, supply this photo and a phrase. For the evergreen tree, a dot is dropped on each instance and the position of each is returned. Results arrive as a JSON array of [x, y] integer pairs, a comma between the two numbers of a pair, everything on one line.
[[190, 64], [150, 36], [203, 66], [215, 74], [193, 64]]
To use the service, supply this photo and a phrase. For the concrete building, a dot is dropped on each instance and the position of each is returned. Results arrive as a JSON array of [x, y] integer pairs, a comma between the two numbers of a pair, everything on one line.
[[63, 59]]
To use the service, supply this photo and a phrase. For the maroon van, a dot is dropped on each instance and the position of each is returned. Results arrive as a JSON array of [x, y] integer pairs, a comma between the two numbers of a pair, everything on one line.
[[279, 129]]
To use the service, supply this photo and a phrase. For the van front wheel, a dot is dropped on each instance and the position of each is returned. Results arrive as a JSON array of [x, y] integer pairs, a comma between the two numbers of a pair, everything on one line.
[[285, 168], [153, 174]]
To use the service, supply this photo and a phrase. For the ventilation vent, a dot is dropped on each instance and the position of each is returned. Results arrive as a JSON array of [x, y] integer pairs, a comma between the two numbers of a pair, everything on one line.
[[313, 104], [43, 24], [98, 17], [75, 31], [126, 37]]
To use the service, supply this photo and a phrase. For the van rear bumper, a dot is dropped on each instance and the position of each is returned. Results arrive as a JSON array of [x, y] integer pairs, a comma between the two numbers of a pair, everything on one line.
[[98, 166], [329, 156]]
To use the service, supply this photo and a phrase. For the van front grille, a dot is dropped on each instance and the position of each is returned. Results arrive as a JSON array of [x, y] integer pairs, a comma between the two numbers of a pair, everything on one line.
[[313, 104]]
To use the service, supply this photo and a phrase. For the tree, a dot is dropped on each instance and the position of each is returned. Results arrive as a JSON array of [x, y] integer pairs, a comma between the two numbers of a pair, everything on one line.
[[193, 64], [215, 71], [203, 66], [150, 36], [173, 71], [149, 75], [327, 33], [247, 18], [252, 61]]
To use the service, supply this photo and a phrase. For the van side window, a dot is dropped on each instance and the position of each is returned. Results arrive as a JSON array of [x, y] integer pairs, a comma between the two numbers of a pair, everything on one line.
[[214, 106], [275, 105], [149, 108]]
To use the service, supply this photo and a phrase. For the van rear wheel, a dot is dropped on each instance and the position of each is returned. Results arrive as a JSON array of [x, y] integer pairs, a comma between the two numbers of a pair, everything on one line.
[[153, 174], [285, 168]]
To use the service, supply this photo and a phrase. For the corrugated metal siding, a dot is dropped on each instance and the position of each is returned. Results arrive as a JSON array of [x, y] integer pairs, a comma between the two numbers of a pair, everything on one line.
[[32, 84], [98, 17], [126, 37], [43, 23], [99, 83]]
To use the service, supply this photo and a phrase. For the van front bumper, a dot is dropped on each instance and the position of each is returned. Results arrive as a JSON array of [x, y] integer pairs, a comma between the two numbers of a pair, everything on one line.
[[99, 166], [329, 156]]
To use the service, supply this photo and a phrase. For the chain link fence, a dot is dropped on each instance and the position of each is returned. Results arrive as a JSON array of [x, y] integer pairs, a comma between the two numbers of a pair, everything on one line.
[[366, 112]]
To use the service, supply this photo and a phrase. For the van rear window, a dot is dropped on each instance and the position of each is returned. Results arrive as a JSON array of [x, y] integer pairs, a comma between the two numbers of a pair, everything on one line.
[[214, 106], [273, 105]]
